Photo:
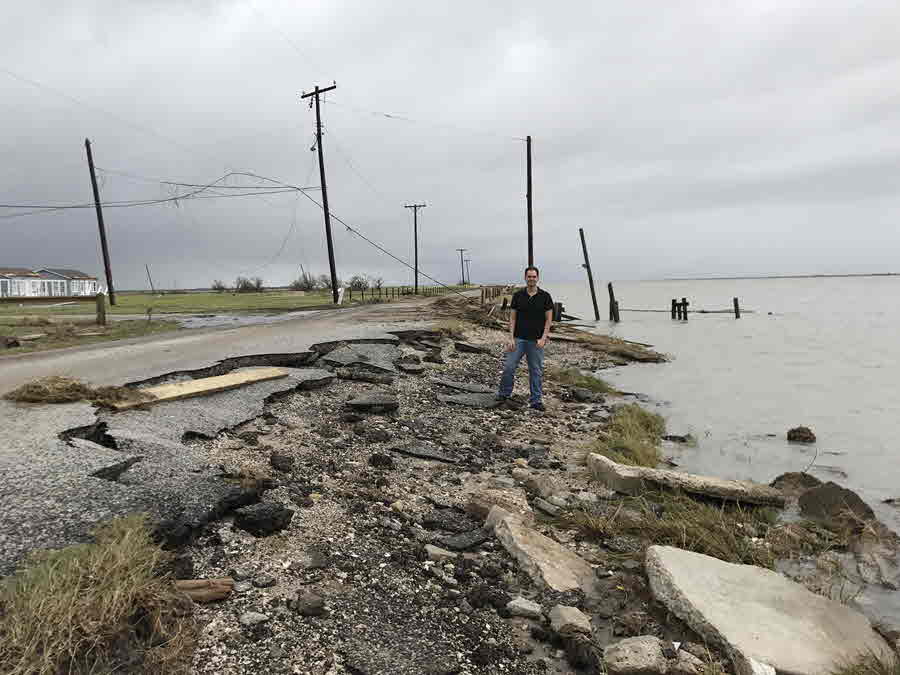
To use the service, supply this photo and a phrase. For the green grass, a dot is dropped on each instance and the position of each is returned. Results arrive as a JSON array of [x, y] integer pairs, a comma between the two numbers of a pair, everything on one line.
[[67, 333], [870, 664], [189, 303], [573, 377], [723, 531], [95, 608], [632, 437]]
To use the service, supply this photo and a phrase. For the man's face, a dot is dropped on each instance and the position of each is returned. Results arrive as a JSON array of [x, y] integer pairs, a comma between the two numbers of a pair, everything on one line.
[[531, 278]]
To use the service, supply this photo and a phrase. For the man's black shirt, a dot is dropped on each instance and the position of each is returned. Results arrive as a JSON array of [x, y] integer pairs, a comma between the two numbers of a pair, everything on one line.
[[530, 313]]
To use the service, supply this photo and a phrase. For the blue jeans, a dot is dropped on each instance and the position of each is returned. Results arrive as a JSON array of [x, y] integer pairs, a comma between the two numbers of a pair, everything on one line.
[[535, 356]]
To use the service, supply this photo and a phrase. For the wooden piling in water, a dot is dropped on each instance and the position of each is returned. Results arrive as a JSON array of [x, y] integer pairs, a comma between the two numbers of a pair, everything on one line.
[[674, 308], [684, 309], [737, 309], [613, 305]]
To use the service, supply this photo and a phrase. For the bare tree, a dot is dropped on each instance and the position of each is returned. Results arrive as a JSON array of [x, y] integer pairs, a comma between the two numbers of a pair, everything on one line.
[[219, 286]]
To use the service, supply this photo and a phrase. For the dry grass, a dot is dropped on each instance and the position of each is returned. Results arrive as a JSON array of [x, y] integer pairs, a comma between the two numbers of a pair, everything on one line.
[[452, 328], [96, 608], [620, 350], [869, 664], [632, 437], [60, 389], [729, 532], [573, 377]]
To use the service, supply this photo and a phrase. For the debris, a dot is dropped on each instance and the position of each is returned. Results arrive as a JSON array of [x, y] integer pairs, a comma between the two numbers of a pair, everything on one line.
[[206, 590], [641, 655], [801, 435], [263, 519], [565, 619]]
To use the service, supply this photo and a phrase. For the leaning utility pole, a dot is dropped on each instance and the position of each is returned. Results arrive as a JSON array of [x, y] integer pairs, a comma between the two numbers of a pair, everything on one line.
[[461, 264], [587, 266], [528, 198], [468, 271], [103, 246], [149, 278], [415, 208], [315, 93]]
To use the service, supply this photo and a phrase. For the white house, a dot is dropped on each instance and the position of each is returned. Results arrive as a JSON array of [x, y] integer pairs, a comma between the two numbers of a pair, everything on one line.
[[21, 282]]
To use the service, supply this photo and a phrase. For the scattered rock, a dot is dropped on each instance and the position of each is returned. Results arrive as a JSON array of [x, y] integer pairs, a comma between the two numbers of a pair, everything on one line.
[[466, 540], [636, 656], [377, 435], [240, 573], [242, 586], [795, 483], [520, 606], [801, 435], [464, 386], [634, 480], [548, 563], [351, 417], [439, 555], [756, 614], [449, 520], [262, 519], [375, 402], [468, 348], [264, 581], [685, 663], [281, 461], [830, 502], [309, 604], [434, 356], [510, 499], [583, 395], [252, 619], [361, 375], [675, 438], [379, 460], [565, 619], [484, 595], [425, 452], [483, 401], [547, 507]]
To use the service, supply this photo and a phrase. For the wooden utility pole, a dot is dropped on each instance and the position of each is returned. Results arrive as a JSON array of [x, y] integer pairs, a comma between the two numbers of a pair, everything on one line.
[[587, 266], [462, 269], [149, 278], [315, 94], [415, 208], [103, 246], [528, 198], [468, 271]]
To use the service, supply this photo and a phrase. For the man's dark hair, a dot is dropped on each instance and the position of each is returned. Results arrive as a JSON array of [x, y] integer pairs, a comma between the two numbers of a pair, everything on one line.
[[532, 267]]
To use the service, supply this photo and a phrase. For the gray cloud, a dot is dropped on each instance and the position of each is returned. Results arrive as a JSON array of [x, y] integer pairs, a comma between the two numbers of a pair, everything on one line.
[[686, 137]]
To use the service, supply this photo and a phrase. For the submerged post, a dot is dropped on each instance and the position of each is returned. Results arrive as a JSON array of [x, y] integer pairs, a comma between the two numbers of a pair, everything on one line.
[[613, 305], [674, 308], [587, 266], [684, 306], [737, 309]]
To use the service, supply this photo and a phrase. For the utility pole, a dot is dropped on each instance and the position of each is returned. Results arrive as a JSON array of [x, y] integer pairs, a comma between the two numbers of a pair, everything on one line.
[[315, 94], [149, 278], [103, 246], [415, 208], [528, 198], [468, 271], [461, 264], [587, 266]]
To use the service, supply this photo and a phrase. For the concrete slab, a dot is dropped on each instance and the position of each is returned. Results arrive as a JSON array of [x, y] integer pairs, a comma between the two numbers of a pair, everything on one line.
[[759, 615]]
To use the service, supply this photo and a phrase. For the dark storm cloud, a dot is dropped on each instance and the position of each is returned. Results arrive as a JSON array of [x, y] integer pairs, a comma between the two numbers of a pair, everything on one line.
[[686, 137]]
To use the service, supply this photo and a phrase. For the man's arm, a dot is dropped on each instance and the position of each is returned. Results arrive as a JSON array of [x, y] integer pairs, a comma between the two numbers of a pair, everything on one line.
[[548, 320], [512, 330]]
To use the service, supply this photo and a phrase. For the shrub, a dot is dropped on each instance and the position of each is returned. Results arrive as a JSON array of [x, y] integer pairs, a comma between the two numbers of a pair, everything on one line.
[[359, 282], [633, 436], [219, 286], [305, 282]]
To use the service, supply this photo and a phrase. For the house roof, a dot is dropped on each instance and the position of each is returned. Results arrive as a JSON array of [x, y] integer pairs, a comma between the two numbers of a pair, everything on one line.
[[16, 272], [68, 273]]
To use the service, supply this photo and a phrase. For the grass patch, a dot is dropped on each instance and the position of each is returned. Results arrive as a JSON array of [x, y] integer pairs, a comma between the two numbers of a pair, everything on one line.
[[61, 333], [632, 437], [723, 531], [575, 378], [60, 389], [95, 608], [869, 664]]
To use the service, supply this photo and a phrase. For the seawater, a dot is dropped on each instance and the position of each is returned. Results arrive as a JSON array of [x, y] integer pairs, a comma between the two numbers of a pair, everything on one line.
[[820, 352]]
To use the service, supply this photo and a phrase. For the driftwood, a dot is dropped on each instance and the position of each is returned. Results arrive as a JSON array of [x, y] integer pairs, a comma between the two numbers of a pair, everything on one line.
[[206, 590]]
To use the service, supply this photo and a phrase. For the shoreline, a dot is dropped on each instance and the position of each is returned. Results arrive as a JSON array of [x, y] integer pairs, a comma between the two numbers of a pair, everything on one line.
[[382, 503]]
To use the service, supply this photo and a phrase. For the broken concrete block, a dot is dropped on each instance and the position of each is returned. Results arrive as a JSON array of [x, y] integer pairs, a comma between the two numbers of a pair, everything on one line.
[[520, 606], [756, 614], [565, 619], [511, 499], [641, 655], [634, 480]]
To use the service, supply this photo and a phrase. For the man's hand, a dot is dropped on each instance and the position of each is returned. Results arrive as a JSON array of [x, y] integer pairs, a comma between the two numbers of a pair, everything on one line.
[[511, 345], [542, 342]]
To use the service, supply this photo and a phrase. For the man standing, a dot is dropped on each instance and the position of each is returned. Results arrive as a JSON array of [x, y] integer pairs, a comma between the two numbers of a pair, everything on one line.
[[530, 316]]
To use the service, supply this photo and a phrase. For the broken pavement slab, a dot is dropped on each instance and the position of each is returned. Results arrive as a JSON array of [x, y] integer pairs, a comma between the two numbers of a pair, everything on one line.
[[379, 357], [548, 563], [758, 615], [484, 401], [469, 348], [469, 387], [202, 387], [635, 480], [513, 501]]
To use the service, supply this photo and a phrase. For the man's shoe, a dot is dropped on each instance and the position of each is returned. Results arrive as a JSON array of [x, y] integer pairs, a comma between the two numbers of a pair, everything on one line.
[[538, 406]]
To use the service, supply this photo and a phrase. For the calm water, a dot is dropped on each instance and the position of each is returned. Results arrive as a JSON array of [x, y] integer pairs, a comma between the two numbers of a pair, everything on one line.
[[828, 357]]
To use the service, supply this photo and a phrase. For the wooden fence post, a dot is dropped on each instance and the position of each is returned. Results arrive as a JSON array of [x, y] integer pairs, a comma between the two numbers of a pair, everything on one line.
[[737, 309], [101, 309]]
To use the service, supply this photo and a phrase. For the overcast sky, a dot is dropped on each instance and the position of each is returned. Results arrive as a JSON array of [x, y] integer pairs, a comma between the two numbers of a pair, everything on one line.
[[687, 138]]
